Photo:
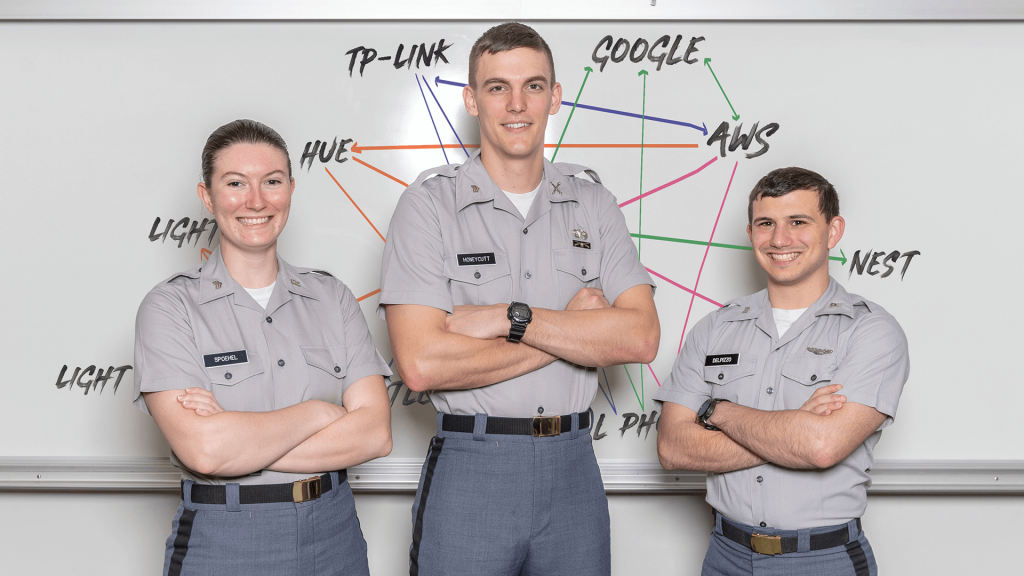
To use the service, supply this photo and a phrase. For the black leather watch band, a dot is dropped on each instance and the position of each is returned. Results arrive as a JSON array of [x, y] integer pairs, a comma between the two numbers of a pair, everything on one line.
[[706, 410]]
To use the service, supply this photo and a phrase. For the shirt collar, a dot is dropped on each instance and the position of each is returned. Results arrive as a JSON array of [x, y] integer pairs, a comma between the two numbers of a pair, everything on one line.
[[474, 185], [215, 282]]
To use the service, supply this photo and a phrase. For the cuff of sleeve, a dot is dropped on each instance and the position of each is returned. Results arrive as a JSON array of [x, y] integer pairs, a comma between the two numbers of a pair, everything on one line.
[[691, 401], [615, 289], [164, 384], [360, 371], [872, 401], [421, 298]]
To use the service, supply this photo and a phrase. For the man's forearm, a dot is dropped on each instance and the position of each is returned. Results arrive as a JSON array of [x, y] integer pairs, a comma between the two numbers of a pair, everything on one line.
[[605, 337], [685, 445], [790, 438]]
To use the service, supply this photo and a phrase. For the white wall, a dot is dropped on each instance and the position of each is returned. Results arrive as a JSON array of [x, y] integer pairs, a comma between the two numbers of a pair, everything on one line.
[[123, 534]]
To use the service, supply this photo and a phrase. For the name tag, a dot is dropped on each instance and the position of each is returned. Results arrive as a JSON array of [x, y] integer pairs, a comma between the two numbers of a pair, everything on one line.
[[225, 358], [479, 259], [722, 360], [581, 244]]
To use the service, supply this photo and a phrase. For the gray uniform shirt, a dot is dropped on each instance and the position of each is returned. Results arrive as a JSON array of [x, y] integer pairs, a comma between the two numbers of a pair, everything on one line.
[[735, 354], [456, 239], [201, 329]]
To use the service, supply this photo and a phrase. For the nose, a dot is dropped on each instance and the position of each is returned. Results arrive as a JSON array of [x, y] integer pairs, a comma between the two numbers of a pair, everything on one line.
[[254, 200], [517, 103], [780, 237]]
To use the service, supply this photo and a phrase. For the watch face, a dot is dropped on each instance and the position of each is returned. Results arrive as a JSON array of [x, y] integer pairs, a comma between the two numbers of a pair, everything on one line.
[[521, 313], [703, 409]]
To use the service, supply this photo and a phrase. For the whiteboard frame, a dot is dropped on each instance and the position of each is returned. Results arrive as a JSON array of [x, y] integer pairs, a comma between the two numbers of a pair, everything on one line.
[[462, 10], [401, 475]]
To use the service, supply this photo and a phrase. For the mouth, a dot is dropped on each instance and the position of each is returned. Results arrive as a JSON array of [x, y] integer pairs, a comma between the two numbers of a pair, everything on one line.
[[516, 125], [254, 221], [783, 258]]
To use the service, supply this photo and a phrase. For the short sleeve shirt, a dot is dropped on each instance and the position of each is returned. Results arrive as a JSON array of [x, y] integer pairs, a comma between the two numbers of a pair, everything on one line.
[[456, 239], [735, 354], [201, 329]]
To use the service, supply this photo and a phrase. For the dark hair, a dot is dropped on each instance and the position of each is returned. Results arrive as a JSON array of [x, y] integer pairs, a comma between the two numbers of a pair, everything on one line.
[[240, 132], [508, 36], [785, 180]]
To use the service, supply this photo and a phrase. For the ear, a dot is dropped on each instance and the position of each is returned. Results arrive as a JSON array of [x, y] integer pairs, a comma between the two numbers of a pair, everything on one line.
[[556, 98], [835, 231], [204, 194], [750, 234], [469, 97]]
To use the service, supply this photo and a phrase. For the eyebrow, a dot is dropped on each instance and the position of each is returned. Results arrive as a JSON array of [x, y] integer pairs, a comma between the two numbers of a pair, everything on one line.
[[226, 174], [504, 81]]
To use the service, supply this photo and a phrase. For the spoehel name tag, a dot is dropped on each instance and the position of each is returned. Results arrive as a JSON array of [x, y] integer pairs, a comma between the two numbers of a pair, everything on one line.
[[581, 244], [722, 360], [225, 358], [478, 259]]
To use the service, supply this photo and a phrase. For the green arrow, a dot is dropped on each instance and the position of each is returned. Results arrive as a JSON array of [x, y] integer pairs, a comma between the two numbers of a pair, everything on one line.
[[640, 225], [707, 62], [841, 259], [639, 395], [589, 70]]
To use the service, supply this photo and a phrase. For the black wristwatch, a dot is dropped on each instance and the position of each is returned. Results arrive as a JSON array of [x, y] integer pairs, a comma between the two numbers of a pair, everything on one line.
[[705, 412], [520, 315]]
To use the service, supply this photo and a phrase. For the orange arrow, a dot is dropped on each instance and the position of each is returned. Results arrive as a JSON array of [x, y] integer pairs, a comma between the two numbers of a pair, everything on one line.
[[365, 296], [359, 149], [204, 254], [379, 171]]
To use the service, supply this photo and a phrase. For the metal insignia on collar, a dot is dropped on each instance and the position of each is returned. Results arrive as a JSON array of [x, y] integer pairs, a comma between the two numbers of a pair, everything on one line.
[[747, 309], [579, 233], [296, 282], [475, 188], [835, 305], [818, 351], [554, 188], [217, 284]]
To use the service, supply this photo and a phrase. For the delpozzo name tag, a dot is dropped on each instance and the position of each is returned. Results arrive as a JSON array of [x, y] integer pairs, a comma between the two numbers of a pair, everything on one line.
[[722, 360], [479, 259], [225, 358]]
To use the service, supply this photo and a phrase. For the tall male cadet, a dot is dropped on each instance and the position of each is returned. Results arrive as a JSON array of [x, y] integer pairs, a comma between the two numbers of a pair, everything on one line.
[[505, 280], [753, 397]]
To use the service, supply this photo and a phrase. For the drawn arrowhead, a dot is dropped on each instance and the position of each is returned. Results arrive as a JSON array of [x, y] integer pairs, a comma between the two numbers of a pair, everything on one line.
[[642, 73], [588, 69], [204, 254], [705, 128], [356, 148], [735, 117], [706, 60], [436, 80], [843, 255]]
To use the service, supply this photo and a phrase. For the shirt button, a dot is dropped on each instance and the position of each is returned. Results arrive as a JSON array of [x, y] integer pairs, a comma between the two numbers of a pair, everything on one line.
[[476, 275], [721, 376], [814, 377], [270, 320], [528, 275], [760, 479], [584, 272], [763, 525], [280, 362], [526, 230], [540, 409], [770, 390], [337, 369], [227, 376]]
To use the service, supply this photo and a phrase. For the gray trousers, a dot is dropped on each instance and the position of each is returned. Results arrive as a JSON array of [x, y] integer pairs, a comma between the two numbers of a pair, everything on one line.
[[319, 537], [727, 558], [491, 504]]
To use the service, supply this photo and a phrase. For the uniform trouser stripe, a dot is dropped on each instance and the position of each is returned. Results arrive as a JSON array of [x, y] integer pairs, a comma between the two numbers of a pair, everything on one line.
[[860, 561], [417, 531], [181, 541]]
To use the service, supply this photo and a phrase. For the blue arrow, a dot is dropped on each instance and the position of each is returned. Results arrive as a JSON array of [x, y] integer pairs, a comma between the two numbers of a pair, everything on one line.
[[703, 127], [435, 128], [608, 394], [427, 82]]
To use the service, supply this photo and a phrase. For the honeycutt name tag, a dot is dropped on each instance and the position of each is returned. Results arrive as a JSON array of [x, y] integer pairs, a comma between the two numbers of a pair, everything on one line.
[[478, 259], [722, 360], [225, 358]]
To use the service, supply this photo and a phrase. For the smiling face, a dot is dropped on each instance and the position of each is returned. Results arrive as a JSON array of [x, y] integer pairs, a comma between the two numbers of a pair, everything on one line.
[[791, 239], [512, 99], [250, 193]]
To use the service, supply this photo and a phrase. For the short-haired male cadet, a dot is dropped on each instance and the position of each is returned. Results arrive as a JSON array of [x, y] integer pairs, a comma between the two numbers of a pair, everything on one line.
[[754, 400], [510, 484]]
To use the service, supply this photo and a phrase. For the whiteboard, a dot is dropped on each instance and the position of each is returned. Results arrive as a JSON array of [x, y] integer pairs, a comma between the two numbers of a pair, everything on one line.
[[101, 126]]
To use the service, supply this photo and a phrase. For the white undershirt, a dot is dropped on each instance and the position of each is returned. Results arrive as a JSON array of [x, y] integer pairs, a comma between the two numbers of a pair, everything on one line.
[[261, 295], [522, 202], [785, 318]]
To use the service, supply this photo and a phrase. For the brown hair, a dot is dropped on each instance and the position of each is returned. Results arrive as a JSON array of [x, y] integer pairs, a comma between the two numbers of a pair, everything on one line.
[[508, 36], [782, 181], [240, 132]]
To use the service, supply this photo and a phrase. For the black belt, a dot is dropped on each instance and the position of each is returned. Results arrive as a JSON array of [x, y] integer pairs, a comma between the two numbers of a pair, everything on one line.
[[299, 491], [536, 426], [772, 545]]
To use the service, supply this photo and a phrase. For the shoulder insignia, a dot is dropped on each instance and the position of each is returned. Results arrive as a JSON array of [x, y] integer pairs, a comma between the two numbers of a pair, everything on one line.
[[190, 275], [320, 273], [448, 171], [573, 169]]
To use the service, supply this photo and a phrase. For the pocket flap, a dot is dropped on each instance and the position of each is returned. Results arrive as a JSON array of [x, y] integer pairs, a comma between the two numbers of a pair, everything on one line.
[[582, 264], [232, 374], [722, 375], [478, 274], [809, 370], [330, 359]]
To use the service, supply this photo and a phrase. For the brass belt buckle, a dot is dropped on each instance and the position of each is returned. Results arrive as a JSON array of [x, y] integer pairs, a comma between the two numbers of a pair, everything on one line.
[[768, 545], [305, 490], [547, 425]]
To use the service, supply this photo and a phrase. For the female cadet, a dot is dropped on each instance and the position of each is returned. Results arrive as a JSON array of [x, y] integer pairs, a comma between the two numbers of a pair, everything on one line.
[[265, 381]]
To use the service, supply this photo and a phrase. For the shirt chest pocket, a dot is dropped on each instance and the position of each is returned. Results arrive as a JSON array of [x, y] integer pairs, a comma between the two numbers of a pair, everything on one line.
[[734, 382], [810, 373], [235, 384], [577, 269], [327, 367], [480, 285]]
